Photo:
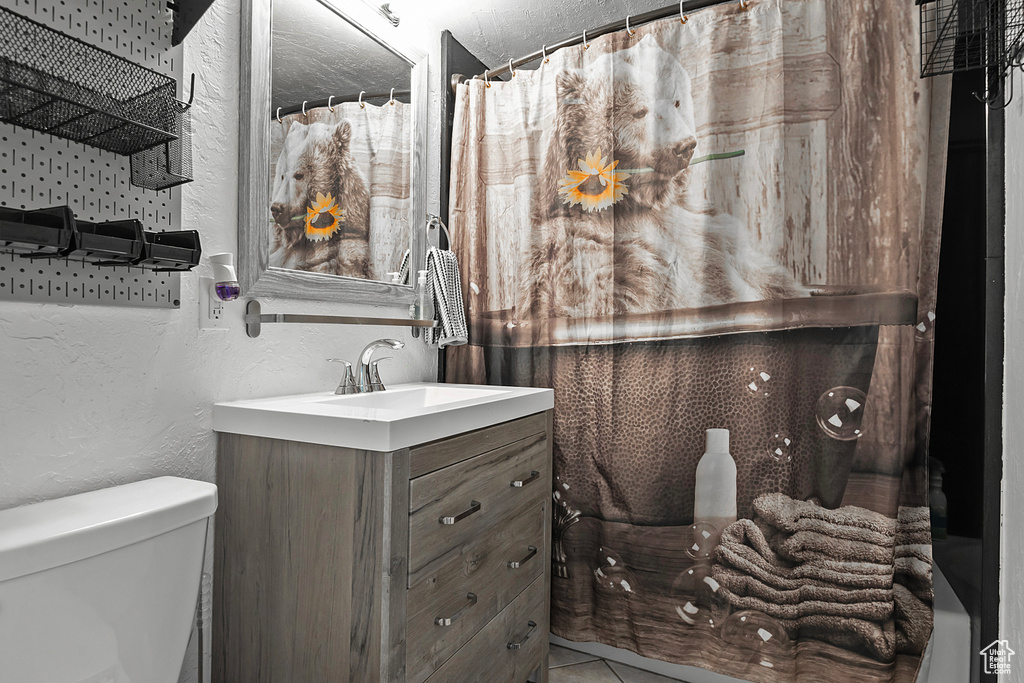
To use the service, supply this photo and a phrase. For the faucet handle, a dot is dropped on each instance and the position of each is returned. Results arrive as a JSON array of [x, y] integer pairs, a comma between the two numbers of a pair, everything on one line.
[[348, 381], [375, 383]]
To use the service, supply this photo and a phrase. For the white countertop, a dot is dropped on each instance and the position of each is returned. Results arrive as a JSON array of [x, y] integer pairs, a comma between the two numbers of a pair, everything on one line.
[[402, 416]]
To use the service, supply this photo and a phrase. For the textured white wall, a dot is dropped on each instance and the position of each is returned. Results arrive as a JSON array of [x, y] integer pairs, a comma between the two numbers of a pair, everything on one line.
[[1011, 598], [94, 396]]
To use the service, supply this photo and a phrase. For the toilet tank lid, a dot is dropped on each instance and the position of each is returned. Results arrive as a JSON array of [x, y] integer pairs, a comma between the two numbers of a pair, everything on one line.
[[56, 532]]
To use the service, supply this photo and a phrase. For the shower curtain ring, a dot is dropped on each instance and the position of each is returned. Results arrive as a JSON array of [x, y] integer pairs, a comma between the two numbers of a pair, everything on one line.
[[487, 81], [544, 53], [586, 45], [329, 103], [510, 69], [391, 101], [304, 108], [682, 17], [744, 5], [361, 105], [628, 29], [279, 116]]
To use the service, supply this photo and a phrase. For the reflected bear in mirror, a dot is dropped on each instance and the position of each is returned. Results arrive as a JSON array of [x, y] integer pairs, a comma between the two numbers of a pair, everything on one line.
[[320, 204]]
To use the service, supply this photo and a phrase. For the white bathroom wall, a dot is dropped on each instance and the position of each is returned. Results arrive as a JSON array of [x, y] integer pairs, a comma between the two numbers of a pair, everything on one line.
[[1011, 598], [93, 396]]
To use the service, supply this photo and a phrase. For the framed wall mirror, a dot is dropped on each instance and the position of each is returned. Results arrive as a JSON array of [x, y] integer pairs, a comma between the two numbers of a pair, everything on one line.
[[332, 167]]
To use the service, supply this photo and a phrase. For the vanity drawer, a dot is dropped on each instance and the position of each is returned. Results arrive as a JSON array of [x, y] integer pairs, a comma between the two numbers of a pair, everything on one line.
[[458, 504], [487, 657], [479, 568], [433, 456]]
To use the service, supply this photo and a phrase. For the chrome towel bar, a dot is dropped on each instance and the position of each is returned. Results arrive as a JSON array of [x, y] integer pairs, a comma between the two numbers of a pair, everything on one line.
[[255, 318]]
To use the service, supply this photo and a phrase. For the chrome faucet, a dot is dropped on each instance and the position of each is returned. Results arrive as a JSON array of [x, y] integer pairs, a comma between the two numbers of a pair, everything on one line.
[[368, 379]]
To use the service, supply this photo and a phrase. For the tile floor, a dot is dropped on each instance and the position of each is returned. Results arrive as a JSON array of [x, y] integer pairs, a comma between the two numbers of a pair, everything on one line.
[[570, 666]]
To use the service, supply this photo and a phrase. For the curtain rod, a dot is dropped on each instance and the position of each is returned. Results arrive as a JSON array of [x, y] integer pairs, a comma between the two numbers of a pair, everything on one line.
[[336, 99], [634, 20]]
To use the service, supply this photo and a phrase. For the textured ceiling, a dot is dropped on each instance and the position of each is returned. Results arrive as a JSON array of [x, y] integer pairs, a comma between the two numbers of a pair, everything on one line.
[[493, 30]]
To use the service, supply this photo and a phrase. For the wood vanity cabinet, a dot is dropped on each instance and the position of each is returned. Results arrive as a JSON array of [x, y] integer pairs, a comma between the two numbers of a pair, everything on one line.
[[430, 563]]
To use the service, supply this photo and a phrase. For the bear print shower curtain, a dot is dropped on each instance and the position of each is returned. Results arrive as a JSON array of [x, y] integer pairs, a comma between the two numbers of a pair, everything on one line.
[[716, 238], [339, 192]]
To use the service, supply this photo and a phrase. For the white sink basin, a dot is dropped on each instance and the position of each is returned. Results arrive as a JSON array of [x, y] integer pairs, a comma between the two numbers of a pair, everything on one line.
[[406, 398], [402, 416]]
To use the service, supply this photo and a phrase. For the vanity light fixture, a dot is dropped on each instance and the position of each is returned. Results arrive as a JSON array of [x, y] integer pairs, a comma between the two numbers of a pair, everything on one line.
[[384, 10]]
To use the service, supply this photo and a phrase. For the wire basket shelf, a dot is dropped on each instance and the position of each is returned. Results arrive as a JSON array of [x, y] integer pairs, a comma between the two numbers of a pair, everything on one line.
[[66, 87], [169, 163], [961, 35]]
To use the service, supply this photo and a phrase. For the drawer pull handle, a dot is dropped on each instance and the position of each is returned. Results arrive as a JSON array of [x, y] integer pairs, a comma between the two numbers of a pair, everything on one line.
[[473, 507], [520, 483], [447, 621], [519, 645], [513, 564]]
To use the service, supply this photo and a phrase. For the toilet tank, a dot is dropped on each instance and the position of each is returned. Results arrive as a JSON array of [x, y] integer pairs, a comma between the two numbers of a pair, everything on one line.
[[101, 587]]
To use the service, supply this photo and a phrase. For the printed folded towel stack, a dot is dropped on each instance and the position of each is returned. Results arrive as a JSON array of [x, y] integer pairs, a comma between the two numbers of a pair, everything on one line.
[[829, 574], [444, 285]]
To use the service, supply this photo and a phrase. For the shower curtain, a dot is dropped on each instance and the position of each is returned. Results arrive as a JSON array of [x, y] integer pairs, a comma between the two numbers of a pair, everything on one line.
[[339, 182], [723, 221]]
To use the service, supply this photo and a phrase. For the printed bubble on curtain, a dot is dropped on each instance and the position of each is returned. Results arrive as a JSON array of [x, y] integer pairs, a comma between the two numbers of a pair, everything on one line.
[[340, 189], [728, 223]]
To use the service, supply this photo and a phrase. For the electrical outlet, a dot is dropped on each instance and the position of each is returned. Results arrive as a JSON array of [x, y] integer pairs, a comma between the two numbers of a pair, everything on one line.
[[212, 315]]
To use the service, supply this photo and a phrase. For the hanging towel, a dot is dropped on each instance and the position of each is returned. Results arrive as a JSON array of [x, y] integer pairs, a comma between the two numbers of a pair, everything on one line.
[[444, 285], [403, 270]]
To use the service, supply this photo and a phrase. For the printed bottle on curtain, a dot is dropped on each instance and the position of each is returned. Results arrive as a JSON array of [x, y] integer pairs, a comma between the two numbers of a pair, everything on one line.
[[714, 503]]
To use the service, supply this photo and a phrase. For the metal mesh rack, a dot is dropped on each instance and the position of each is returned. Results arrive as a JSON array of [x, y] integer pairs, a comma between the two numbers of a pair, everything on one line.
[[960, 35], [60, 85], [170, 163]]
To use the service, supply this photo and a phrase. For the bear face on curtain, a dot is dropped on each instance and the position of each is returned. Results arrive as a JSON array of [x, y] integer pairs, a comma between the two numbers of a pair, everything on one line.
[[728, 222], [340, 189]]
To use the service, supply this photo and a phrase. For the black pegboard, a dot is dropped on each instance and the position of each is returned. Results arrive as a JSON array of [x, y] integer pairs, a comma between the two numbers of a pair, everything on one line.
[[38, 170]]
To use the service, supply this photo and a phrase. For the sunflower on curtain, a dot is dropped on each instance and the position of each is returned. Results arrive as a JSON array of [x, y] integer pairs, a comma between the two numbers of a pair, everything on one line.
[[720, 224]]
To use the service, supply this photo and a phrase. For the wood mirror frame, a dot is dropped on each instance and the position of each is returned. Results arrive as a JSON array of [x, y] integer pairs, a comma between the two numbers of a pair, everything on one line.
[[255, 275]]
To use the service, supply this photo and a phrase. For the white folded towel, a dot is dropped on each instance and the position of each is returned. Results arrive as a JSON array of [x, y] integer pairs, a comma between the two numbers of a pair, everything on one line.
[[444, 284]]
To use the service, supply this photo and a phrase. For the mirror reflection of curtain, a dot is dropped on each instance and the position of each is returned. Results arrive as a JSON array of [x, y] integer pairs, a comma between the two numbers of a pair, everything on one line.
[[728, 223], [359, 156]]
